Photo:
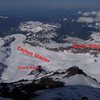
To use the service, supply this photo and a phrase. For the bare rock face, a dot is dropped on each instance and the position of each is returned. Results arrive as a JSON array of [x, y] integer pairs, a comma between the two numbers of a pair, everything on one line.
[[37, 71], [17, 90], [2, 68], [28, 90], [74, 70], [70, 72]]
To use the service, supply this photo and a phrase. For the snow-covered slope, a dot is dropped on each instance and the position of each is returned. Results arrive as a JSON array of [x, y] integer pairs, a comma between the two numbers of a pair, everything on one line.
[[95, 37], [35, 27], [1, 42], [56, 73], [58, 60], [38, 32], [60, 84], [78, 86], [72, 76]]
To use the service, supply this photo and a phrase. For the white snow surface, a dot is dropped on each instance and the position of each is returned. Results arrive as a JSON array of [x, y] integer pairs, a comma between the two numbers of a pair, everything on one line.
[[95, 36], [1, 42], [35, 27], [78, 80], [58, 60]]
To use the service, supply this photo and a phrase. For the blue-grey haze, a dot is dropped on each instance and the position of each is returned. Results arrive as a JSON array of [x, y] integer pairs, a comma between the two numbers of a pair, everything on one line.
[[18, 4]]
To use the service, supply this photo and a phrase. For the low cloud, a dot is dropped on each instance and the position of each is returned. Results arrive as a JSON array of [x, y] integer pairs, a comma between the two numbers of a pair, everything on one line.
[[89, 17], [3, 17], [85, 19], [93, 13]]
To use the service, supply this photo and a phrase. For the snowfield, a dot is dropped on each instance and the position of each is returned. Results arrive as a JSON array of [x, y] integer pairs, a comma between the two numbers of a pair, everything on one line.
[[70, 74], [58, 60], [38, 32], [1, 42], [35, 27]]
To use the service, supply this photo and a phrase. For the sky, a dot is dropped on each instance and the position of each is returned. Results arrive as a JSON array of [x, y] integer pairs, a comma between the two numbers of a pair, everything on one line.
[[21, 4]]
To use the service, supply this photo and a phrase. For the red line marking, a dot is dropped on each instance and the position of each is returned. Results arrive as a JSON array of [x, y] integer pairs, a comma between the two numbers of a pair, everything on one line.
[[91, 46]]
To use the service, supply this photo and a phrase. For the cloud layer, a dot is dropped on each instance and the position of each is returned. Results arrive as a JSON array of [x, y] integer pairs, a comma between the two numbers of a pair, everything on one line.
[[85, 19], [89, 17]]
